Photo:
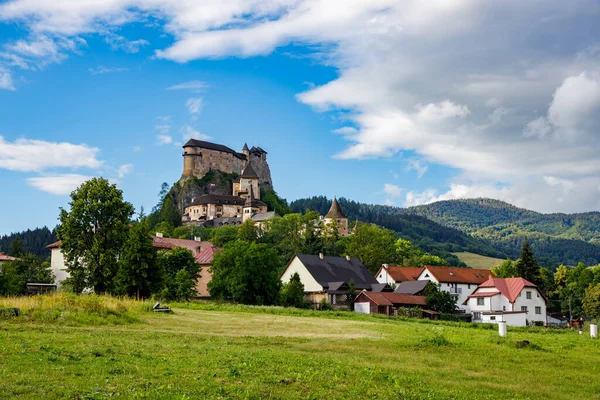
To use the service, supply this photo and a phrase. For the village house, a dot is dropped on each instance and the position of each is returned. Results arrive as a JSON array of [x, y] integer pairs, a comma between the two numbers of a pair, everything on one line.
[[513, 300], [328, 278], [394, 274], [385, 302], [460, 282], [416, 288], [4, 258], [203, 252]]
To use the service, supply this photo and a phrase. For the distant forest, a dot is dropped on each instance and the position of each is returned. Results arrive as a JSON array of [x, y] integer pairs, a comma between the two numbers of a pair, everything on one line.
[[34, 241]]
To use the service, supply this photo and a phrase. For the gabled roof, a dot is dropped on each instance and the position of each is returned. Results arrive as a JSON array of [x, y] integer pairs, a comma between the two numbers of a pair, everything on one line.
[[337, 269], [206, 255], [213, 146], [459, 275], [401, 274], [509, 287], [335, 211], [259, 217], [390, 299], [381, 287], [4, 257], [411, 287], [249, 172]]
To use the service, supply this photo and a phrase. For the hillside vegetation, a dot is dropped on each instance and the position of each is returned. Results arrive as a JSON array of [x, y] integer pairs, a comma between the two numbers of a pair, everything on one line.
[[556, 238], [476, 261], [267, 352]]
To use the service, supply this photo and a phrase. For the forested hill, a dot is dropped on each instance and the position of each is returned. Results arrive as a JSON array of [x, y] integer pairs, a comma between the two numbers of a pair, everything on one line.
[[33, 241], [429, 236], [499, 226]]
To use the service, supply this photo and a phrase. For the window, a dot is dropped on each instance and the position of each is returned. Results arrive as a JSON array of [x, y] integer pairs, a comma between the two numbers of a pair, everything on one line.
[[538, 310], [492, 318], [528, 295], [480, 301], [469, 286], [503, 308], [476, 315], [523, 308]]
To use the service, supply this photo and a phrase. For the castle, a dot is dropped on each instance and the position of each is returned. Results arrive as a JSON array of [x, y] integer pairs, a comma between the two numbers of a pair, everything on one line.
[[200, 157]]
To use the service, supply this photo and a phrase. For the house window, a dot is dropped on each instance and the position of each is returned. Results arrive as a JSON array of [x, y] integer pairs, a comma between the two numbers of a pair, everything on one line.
[[480, 301], [503, 308], [528, 295], [523, 308], [469, 286], [538, 310], [476, 315], [493, 318]]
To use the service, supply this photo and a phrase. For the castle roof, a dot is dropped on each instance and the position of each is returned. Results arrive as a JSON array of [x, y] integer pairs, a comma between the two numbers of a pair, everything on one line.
[[245, 147], [213, 146], [335, 211], [249, 172], [257, 150], [217, 199], [252, 202]]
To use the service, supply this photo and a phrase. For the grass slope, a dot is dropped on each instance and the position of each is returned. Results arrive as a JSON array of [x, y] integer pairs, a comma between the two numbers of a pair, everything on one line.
[[211, 351], [476, 261]]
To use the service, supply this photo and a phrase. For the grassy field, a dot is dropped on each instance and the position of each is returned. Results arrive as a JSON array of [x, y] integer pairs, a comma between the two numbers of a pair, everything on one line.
[[219, 351], [476, 261]]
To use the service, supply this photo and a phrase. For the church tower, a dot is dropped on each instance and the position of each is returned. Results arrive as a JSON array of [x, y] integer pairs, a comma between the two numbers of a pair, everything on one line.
[[336, 213]]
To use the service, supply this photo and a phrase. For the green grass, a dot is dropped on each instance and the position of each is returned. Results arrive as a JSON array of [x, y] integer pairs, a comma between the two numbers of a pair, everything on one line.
[[476, 261], [223, 351]]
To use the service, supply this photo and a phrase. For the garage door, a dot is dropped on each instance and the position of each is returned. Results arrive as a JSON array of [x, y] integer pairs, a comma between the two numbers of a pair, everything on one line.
[[363, 308]]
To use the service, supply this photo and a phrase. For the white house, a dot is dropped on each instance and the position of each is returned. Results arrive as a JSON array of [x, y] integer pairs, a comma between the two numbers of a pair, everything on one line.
[[514, 300], [394, 274], [461, 282], [326, 277]]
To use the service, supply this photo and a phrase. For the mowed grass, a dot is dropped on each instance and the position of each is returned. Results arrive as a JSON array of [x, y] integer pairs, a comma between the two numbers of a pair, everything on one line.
[[477, 261], [217, 351]]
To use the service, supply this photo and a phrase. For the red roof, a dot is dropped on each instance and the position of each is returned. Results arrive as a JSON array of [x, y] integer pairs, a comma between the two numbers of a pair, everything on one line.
[[402, 274], [4, 257], [484, 294], [459, 275], [388, 299], [509, 287], [203, 251]]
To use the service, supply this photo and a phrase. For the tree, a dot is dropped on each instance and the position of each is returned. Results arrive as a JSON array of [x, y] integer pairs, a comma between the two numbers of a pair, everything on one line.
[[28, 268], [507, 269], [292, 292], [92, 232], [591, 301], [11, 283], [16, 248], [138, 274], [245, 272], [222, 235], [178, 285], [439, 300], [527, 265], [169, 212], [373, 245], [247, 231]]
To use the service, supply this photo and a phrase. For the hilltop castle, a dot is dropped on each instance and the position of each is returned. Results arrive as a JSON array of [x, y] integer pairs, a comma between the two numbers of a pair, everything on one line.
[[200, 157]]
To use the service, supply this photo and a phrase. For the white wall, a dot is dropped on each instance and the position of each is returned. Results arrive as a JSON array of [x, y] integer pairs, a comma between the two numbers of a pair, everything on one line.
[[363, 308], [518, 319], [536, 301], [57, 263], [461, 290], [310, 284], [384, 277]]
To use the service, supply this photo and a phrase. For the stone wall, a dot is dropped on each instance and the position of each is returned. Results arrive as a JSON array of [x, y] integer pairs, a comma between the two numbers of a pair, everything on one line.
[[260, 165], [198, 161]]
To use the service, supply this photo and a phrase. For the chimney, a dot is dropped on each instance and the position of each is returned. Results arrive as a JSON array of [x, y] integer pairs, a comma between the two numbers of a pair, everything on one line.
[[321, 256], [384, 265], [348, 258], [159, 234], [490, 276], [197, 238]]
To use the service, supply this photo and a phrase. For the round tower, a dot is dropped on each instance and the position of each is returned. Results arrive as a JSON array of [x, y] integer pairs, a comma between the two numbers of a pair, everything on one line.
[[336, 213]]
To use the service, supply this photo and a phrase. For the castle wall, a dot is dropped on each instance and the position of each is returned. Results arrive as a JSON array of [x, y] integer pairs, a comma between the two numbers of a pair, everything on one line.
[[217, 210], [198, 161]]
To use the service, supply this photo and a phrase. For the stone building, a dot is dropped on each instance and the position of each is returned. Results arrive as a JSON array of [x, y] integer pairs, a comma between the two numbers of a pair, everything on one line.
[[200, 157], [336, 214]]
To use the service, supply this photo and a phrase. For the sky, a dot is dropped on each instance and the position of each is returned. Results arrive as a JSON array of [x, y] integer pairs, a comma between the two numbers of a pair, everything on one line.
[[385, 102]]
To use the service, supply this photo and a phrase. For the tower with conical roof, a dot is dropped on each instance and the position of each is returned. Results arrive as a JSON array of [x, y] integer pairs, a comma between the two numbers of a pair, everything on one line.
[[248, 179], [252, 206], [336, 214]]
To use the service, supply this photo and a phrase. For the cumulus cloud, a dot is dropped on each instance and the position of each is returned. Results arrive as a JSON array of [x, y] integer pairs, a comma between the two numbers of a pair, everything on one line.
[[163, 139], [124, 169], [188, 132], [38, 155], [58, 184], [392, 190], [442, 110]]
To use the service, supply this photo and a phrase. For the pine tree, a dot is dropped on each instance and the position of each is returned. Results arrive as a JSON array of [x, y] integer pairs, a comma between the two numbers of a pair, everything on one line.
[[16, 248], [527, 266]]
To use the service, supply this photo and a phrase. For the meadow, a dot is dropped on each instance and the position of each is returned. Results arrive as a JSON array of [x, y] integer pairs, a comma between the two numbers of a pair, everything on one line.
[[477, 261], [92, 347]]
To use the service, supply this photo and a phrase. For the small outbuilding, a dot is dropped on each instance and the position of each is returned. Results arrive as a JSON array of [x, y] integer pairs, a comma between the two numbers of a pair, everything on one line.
[[385, 302]]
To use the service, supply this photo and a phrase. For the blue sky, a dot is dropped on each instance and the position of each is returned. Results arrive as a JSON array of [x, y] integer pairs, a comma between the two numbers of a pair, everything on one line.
[[392, 102]]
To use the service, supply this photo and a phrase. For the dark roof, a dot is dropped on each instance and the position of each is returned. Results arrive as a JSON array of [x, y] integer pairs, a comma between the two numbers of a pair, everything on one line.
[[216, 222], [217, 199], [251, 201], [411, 287], [335, 211], [245, 147], [257, 150], [213, 146], [337, 269], [381, 287], [259, 217], [249, 172]]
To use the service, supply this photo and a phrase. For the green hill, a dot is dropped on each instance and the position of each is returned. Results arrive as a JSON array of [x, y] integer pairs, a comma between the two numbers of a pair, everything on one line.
[[476, 261]]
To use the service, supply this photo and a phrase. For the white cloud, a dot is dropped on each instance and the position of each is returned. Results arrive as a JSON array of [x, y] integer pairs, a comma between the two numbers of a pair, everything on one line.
[[442, 110], [163, 139], [6, 81], [346, 130], [38, 155], [539, 127], [194, 105], [58, 184], [101, 69], [117, 42], [188, 132], [40, 50], [164, 128], [414, 164], [392, 190], [193, 86], [124, 169]]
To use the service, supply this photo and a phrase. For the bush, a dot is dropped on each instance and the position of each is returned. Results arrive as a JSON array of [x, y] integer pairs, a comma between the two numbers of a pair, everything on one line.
[[325, 306]]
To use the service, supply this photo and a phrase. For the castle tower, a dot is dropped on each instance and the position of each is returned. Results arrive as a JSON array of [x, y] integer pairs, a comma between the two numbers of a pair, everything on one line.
[[252, 206], [248, 180], [246, 151], [336, 213]]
